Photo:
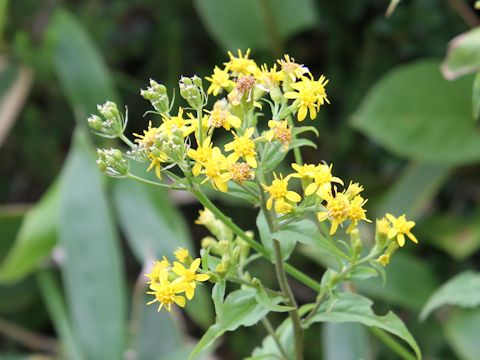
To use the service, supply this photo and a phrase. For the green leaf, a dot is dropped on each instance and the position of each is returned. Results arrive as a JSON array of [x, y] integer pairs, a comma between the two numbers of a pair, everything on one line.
[[11, 218], [463, 56], [154, 228], [410, 281], [218, 293], [461, 333], [79, 66], [251, 23], [345, 341], [239, 309], [462, 290], [35, 240], [266, 238], [270, 303], [476, 98], [407, 113], [92, 271], [414, 190], [349, 307]]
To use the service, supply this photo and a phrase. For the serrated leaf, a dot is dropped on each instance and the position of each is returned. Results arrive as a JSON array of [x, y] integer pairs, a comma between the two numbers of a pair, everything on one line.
[[406, 113], [463, 56], [349, 307], [462, 290]]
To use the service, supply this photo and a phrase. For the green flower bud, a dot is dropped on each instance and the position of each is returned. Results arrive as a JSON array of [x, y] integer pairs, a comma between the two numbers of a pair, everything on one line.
[[224, 265], [113, 123], [157, 95], [356, 242], [209, 242], [191, 89], [112, 162], [95, 122]]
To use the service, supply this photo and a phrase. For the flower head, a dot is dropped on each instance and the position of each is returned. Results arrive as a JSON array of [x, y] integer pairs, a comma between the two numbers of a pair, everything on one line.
[[400, 228], [336, 210], [157, 268], [216, 170], [243, 147], [182, 254], [241, 172], [322, 180], [166, 292], [279, 132], [220, 116], [220, 80], [308, 96], [356, 212], [241, 65], [147, 140], [279, 193], [290, 68], [188, 276], [201, 155]]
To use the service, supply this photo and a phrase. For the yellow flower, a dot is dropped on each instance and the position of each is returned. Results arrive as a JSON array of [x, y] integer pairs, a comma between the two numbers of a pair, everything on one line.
[[220, 80], [270, 78], [279, 193], [309, 96], [279, 132], [356, 212], [189, 277], [172, 124], [241, 172], [241, 65], [290, 68], [384, 259], [148, 138], [400, 228], [353, 190], [157, 158], [205, 217], [220, 116], [182, 254], [304, 172], [157, 268], [336, 211], [200, 155], [322, 180], [166, 292], [243, 147], [216, 170]]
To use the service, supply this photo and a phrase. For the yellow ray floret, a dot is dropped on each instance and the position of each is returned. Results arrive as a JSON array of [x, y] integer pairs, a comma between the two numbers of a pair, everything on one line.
[[400, 228], [189, 277], [243, 147], [280, 194], [166, 292]]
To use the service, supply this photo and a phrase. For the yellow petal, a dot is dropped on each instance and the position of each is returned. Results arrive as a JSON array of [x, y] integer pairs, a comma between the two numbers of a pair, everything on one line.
[[195, 265], [202, 277], [311, 188], [293, 196], [412, 237], [302, 113], [180, 301], [401, 239]]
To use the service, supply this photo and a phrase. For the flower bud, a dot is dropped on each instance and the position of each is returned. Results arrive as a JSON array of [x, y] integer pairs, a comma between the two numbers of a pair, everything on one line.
[[381, 232], [95, 122], [224, 265], [158, 97], [113, 123], [356, 242], [112, 162], [208, 242], [191, 89]]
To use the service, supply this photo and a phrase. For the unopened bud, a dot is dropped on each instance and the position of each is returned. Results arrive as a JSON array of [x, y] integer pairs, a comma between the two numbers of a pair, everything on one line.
[[208, 242], [222, 268], [356, 242], [191, 89], [112, 162], [157, 95], [113, 123], [381, 232]]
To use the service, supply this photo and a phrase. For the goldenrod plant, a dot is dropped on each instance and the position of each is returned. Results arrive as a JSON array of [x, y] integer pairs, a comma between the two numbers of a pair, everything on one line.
[[261, 112]]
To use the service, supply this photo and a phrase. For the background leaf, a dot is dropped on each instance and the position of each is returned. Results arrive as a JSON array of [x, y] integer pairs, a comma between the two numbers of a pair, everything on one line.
[[345, 341], [463, 290], [461, 332], [92, 270], [408, 113], [463, 56]]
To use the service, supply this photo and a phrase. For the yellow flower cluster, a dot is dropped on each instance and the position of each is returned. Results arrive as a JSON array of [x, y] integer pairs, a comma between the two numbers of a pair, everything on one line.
[[168, 283]]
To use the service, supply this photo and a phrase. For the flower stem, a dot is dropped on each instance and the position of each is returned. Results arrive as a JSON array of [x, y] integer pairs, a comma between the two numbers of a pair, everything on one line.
[[268, 326], [149, 182]]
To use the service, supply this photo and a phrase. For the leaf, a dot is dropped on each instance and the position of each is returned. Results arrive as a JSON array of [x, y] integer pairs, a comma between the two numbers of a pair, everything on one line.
[[270, 303], [462, 290], [92, 270], [410, 281], [79, 66], [414, 190], [476, 98], [463, 55], [11, 218], [35, 239], [218, 293], [250, 23], [287, 245], [335, 336], [154, 228], [349, 307], [239, 309], [407, 113], [461, 333]]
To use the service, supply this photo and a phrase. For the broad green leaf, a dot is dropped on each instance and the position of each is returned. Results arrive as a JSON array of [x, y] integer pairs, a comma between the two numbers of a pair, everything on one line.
[[239, 309], [35, 240], [345, 341], [55, 304], [407, 113], [458, 235], [251, 23], [462, 290], [218, 294], [270, 303], [410, 281], [266, 238], [92, 271], [349, 307], [461, 333], [463, 56], [154, 228], [476, 97], [414, 190], [11, 218], [79, 66]]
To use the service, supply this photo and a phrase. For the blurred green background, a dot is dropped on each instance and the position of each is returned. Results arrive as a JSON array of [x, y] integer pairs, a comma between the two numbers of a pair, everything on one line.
[[74, 245]]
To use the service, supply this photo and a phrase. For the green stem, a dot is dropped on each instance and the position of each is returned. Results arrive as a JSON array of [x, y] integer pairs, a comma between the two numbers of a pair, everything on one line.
[[296, 151], [200, 126], [268, 326], [149, 182], [392, 343], [297, 274], [127, 141]]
